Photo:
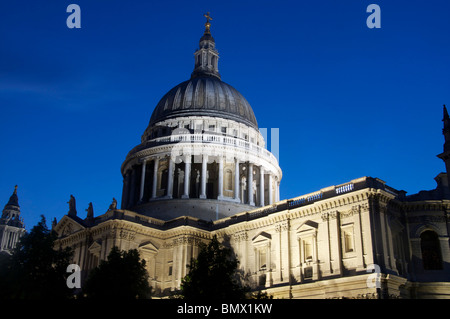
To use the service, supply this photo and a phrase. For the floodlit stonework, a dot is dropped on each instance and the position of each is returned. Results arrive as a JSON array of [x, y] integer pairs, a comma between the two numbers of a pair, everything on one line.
[[12, 226], [202, 170]]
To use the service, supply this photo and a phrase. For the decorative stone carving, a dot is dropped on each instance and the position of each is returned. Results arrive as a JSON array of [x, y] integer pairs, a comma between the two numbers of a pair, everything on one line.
[[72, 206], [113, 205], [90, 211], [240, 236], [329, 215], [282, 226]]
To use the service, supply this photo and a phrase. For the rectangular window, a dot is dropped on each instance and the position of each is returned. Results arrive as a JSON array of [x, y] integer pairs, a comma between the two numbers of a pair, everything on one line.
[[348, 240], [307, 246], [262, 259]]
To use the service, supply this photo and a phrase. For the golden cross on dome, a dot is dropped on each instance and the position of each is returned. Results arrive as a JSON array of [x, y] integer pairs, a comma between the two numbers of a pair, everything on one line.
[[208, 17]]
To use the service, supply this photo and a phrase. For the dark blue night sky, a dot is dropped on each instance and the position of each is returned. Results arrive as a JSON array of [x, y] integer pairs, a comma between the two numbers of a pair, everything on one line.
[[349, 101]]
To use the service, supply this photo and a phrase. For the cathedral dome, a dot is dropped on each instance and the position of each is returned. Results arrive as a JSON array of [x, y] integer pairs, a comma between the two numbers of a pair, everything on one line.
[[202, 154], [204, 96]]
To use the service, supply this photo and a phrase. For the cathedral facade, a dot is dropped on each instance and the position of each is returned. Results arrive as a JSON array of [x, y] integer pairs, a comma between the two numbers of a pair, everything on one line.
[[202, 170]]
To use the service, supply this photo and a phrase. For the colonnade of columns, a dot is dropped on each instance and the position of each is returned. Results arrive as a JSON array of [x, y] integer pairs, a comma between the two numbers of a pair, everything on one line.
[[205, 177], [10, 237]]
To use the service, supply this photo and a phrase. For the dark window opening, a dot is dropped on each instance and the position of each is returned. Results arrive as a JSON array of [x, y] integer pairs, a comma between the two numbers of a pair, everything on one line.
[[431, 250]]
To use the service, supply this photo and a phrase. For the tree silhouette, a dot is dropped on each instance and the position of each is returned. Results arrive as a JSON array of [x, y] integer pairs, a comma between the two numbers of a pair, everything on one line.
[[213, 275], [123, 275], [36, 270]]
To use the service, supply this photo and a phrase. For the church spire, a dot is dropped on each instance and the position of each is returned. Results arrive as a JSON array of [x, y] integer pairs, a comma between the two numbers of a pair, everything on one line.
[[206, 57], [11, 224], [13, 200], [12, 208]]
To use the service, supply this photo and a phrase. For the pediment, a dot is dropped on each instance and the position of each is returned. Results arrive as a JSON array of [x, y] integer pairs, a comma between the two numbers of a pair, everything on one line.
[[67, 226], [147, 250], [307, 227], [148, 247], [262, 237], [95, 248]]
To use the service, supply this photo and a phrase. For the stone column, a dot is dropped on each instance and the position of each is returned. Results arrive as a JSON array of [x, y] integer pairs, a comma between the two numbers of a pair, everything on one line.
[[220, 186], [203, 177], [277, 191], [170, 178], [359, 245], [315, 264], [261, 186], [187, 176], [236, 179], [278, 275], [335, 241], [327, 267], [269, 280], [250, 185], [141, 193], [270, 189], [155, 178]]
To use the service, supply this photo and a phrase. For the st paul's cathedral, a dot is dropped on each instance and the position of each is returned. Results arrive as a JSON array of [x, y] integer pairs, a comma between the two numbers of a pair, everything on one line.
[[202, 170]]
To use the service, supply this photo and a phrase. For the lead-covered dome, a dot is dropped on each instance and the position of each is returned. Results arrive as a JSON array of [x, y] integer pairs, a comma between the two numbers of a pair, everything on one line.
[[204, 96]]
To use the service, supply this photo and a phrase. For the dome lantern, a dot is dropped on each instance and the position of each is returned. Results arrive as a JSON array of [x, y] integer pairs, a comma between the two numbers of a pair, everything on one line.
[[206, 57]]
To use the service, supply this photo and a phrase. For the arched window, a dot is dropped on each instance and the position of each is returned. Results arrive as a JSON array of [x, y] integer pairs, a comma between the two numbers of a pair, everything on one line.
[[431, 250]]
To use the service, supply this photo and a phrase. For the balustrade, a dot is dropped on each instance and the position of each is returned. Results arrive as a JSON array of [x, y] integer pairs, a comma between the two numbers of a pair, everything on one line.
[[215, 139]]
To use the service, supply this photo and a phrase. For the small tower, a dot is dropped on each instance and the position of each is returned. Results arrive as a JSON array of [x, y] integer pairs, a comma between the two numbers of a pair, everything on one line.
[[206, 57], [11, 224], [445, 156]]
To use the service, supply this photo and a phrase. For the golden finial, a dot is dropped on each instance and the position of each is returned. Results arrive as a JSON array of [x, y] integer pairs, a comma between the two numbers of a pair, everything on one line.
[[207, 24]]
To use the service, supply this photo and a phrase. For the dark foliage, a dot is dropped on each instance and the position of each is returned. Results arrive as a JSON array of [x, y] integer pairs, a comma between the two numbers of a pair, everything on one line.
[[122, 276], [213, 275], [36, 270]]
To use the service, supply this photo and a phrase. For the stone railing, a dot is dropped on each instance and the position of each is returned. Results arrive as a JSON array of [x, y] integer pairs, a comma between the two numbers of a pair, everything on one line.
[[325, 193], [345, 188], [211, 139]]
